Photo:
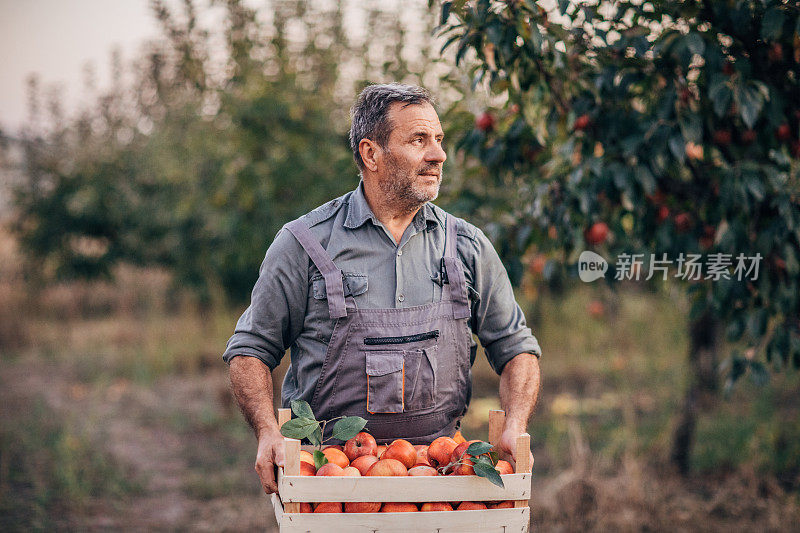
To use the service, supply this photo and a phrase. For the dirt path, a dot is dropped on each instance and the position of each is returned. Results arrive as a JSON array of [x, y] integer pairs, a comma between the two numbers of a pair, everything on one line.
[[144, 430]]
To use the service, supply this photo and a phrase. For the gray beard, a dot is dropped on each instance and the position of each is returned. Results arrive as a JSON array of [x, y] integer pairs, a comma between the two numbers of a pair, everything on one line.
[[401, 191]]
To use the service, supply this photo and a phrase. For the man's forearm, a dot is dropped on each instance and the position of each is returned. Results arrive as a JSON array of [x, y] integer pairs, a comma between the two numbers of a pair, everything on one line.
[[519, 390], [251, 381]]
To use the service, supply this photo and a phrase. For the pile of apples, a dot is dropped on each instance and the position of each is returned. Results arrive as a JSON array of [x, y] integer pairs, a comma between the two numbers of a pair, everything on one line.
[[362, 456]]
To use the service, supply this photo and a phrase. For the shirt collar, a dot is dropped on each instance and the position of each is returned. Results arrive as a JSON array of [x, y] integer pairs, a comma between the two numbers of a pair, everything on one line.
[[358, 212]]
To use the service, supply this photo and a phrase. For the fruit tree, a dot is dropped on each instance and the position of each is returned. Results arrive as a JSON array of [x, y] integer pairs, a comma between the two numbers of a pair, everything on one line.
[[667, 129]]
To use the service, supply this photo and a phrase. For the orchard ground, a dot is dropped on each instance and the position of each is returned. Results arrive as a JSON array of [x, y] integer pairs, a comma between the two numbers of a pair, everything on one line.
[[117, 414]]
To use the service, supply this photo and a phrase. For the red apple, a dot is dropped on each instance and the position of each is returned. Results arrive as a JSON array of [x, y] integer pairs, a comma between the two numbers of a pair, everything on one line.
[[361, 444], [403, 451], [722, 137], [506, 504], [363, 463], [683, 222], [460, 454], [485, 121], [440, 450], [336, 456], [422, 470], [380, 450], [471, 506], [775, 53], [328, 507], [362, 507], [306, 457], [748, 136], [330, 469], [307, 469], [784, 132], [305, 507], [352, 471], [422, 454], [504, 467], [728, 69], [582, 122], [596, 233], [436, 506], [399, 507], [387, 467]]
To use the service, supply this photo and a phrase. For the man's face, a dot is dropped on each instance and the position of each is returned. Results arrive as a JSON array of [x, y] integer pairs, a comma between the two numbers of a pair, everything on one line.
[[412, 160]]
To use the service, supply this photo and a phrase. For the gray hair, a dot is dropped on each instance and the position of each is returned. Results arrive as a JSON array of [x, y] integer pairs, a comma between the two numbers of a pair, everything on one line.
[[369, 114]]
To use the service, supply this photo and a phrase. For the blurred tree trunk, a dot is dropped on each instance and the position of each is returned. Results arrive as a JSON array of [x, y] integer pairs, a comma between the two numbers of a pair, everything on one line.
[[703, 382]]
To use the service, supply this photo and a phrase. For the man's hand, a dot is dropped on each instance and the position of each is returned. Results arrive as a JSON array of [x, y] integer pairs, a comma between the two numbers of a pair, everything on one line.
[[508, 443], [519, 390], [269, 455]]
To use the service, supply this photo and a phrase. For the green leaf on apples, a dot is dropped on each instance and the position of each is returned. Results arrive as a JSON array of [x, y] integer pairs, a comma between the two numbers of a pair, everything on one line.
[[319, 459], [299, 428], [316, 437], [301, 409], [494, 456], [348, 427], [479, 448], [487, 470]]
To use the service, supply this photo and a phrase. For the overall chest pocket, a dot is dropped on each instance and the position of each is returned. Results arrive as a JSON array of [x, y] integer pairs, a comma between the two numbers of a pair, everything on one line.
[[353, 283], [400, 380]]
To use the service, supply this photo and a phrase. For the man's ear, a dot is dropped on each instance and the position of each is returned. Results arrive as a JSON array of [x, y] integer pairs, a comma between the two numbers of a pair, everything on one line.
[[370, 153]]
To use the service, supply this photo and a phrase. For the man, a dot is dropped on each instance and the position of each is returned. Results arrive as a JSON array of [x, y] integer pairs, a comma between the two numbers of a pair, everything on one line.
[[377, 294]]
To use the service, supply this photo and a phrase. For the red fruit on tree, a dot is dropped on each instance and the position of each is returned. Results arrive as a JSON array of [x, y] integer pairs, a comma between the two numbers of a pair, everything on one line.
[[683, 222], [722, 137], [728, 69], [783, 132], [485, 121], [597, 233], [663, 213], [775, 53], [582, 122], [748, 136]]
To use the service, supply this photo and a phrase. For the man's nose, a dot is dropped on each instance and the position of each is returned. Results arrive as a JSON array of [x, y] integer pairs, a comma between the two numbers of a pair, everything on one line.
[[436, 153]]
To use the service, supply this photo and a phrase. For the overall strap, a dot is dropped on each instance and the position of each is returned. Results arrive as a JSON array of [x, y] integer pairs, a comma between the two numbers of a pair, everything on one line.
[[457, 283], [333, 276]]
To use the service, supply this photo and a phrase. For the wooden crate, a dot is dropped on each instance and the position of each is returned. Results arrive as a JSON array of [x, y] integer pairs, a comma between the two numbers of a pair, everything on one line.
[[294, 489]]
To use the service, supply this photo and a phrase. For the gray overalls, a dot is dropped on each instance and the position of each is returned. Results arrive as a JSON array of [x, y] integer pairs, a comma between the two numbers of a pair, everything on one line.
[[404, 370]]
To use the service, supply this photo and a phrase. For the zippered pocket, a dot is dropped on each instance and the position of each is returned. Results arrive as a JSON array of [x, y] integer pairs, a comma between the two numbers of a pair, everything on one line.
[[405, 339]]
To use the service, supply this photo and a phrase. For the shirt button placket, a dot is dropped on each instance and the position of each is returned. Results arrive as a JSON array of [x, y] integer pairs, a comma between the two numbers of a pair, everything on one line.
[[399, 275]]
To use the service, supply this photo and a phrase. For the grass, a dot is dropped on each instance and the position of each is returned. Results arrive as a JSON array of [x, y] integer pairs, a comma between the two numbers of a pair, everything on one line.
[[120, 415]]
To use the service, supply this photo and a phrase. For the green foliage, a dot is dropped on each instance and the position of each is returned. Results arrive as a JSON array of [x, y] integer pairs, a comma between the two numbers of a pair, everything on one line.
[[195, 165], [319, 459], [348, 427], [305, 426], [674, 123]]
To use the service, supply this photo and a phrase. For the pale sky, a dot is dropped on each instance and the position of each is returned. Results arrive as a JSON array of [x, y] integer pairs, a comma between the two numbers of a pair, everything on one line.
[[57, 38]]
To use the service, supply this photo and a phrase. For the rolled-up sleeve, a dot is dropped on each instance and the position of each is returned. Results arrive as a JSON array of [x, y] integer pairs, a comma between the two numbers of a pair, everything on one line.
[[274, 318], [497, 319]]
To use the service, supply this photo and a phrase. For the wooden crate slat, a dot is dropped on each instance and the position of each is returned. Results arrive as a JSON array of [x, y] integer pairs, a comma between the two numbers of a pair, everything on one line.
[[401, 489], [491, 520]]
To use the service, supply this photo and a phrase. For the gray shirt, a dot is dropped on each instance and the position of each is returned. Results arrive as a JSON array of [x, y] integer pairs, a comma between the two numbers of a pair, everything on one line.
[[288, 307]]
